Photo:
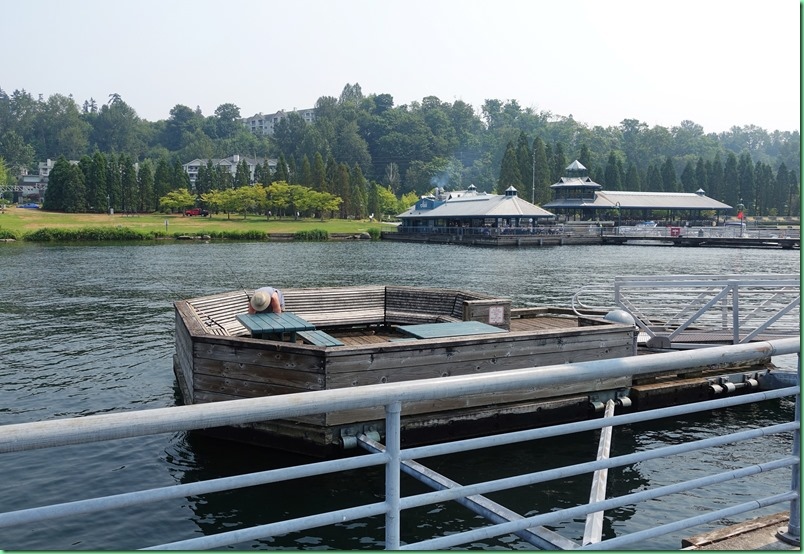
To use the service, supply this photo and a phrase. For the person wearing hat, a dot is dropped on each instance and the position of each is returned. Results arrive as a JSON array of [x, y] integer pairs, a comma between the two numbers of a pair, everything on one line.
[[266, 299]]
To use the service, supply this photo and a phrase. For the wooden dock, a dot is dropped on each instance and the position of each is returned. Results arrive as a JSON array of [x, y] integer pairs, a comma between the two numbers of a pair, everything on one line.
[[785, 243]]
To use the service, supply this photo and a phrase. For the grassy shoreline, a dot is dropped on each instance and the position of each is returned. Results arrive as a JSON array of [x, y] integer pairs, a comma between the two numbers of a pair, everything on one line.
[[40, 226]]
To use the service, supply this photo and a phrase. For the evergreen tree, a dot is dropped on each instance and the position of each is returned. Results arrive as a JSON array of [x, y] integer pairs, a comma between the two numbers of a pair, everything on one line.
[[319, 173], [359, 193], [343, 189], [700, 175], [306, 175], [731, 181], [99, 177], [669, 178], [128, 184], [689, 181], [145, 181], [715, 180], [632, 180], [75, 200], [242, 174], [614, 178], [60, 175], [162, 179], [766, 196], [114, 183], [331, 176], [747, 183], [542, 168], [585, 157], [653, 180], [374, 207], [524, 158], [559, 162], [180, 180], [282, 174], [509, 170]]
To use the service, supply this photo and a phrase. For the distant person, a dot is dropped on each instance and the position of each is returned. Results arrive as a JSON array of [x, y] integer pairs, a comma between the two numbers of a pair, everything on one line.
[[267, 299]]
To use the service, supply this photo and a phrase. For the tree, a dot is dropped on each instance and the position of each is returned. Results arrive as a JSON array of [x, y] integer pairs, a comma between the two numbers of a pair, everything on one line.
[[614, 178], [227, 120], [242, 174], [731, 181], [541, 168], [689, 182], [509, 171], [55, 199], [99, 179], [178, 200], [669, 179], [145, 182]]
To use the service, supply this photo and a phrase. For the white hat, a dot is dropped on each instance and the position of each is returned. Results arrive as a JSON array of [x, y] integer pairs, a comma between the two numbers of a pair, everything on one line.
[[260, 301]]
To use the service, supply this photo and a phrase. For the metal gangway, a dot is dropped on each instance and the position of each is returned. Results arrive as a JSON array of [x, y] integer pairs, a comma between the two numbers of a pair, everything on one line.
[[693, 311], [396, 460]]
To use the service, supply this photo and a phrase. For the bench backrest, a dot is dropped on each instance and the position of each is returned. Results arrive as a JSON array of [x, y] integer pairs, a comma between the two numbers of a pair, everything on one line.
[[338, 306]]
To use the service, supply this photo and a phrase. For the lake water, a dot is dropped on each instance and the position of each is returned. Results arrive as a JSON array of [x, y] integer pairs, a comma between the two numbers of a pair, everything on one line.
[[88, 329]]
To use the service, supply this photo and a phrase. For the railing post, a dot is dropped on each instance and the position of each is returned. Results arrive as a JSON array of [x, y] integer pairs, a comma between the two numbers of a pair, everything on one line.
[[792, 534], [735, 312], [392, 474]]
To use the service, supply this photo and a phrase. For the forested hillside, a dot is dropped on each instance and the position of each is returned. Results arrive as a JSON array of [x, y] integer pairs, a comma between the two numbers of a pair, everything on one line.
[[366, 138]]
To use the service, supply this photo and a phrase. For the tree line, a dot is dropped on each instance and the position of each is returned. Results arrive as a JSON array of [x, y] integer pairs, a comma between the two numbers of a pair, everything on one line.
[[405, 149]]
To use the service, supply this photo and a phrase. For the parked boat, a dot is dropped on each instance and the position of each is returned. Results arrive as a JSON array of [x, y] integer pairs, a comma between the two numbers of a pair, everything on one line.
[[355, 336]]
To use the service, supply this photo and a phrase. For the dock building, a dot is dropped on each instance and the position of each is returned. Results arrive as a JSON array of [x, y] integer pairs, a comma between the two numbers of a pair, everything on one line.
[[578, 197]]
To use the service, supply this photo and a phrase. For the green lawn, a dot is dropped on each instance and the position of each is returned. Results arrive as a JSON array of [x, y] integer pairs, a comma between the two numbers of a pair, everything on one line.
[[21, 220]]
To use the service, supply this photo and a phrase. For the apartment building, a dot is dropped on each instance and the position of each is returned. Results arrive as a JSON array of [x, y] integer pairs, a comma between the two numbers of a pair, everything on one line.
[[230, 164], [264, 124]]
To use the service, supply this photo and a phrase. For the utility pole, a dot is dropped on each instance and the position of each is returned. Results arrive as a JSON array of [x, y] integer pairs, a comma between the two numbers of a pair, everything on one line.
[[533, 186]]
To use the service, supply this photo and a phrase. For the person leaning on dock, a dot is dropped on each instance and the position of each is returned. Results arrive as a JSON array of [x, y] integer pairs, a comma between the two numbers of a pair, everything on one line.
[[266, 299]]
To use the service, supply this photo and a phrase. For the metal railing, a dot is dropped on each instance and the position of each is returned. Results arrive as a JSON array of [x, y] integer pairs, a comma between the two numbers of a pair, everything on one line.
[[97, 428], [702, 308]]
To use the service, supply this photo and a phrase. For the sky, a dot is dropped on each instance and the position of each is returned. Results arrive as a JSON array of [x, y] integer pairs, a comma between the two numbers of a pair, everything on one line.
[[718, 63]]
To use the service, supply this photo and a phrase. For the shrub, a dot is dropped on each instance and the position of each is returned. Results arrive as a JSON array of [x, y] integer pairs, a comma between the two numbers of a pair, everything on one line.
[[374, 232], [313, 235]]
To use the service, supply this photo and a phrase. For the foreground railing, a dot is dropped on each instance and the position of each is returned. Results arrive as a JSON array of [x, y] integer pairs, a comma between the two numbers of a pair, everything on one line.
[[97, 428]]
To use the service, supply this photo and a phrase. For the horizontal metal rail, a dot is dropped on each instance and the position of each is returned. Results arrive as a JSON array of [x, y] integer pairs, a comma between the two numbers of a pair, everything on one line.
[[30, 436]]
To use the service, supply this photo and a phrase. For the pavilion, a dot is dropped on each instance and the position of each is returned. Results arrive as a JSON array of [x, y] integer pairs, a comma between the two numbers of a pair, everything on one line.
[[577, 196]]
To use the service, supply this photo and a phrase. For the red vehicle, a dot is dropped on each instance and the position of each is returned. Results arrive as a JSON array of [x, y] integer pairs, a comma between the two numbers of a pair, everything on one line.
[[196, 211]]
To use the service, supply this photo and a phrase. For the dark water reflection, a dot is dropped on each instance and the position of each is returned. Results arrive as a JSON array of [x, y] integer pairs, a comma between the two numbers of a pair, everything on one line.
[[89, 329]]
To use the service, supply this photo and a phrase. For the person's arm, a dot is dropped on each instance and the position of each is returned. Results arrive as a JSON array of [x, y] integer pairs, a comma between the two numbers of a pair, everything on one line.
[[276, 307]]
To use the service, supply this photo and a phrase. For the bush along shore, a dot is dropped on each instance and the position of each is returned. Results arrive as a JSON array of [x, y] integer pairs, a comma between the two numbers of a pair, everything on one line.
[[116, 234]]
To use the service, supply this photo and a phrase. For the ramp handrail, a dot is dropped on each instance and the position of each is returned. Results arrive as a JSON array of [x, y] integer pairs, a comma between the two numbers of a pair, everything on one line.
[[712, 308], [97, 428]]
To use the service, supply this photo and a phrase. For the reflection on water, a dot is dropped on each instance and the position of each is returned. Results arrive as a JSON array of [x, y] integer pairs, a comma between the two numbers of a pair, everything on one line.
[[89, 329]]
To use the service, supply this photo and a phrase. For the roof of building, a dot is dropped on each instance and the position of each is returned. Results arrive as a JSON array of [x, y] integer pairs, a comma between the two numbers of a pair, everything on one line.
[[575, 182], [470, 203], [642, 200]]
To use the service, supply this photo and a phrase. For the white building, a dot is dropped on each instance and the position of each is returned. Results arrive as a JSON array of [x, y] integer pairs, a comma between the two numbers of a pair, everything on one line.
[[230, 164], [263, 124]]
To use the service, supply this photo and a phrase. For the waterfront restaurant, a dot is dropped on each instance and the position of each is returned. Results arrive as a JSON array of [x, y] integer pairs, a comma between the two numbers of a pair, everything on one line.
[[577, 197], [471, 212]]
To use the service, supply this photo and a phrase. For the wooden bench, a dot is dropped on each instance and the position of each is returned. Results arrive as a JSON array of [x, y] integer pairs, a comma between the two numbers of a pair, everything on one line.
[[343, 307], [319, 338], [412, 305], [338, 307], [218, 313]]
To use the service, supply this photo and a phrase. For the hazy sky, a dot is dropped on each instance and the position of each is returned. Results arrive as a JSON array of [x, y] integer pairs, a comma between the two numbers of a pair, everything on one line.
[[718, 63]]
